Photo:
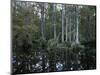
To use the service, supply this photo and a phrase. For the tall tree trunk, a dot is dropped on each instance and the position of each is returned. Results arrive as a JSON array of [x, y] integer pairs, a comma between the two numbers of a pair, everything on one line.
[[54, 20], [74, 37], [26, 15], [66, 23], [70, 31], [51, 20], [42, 21], [63, 14], [77, 24]]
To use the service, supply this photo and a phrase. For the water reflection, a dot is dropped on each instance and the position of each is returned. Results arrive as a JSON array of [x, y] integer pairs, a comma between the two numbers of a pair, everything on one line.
[[42, 63], [59, 66]]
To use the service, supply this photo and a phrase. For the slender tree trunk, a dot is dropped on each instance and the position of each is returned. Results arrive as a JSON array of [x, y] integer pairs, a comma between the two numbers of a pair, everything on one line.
[[66, 24], [77, 35], [63, 14], [66, 29], [51, 21], [74, 29], [77, 24], [54, 20], [42, 20], [26, 21], [70, 28]]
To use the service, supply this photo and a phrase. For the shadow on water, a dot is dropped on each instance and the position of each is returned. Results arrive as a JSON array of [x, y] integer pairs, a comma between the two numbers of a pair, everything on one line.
[[55, 60]]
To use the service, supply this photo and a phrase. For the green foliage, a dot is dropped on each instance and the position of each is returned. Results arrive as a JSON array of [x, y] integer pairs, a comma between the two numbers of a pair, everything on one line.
[[52, 43], [28, 43], [87, 25]]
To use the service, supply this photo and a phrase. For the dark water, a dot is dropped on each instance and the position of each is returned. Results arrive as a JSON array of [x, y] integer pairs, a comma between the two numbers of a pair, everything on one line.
[[56, 60]]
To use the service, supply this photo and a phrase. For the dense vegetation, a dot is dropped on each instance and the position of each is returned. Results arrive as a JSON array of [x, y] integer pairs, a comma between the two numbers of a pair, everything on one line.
[[49, 37]]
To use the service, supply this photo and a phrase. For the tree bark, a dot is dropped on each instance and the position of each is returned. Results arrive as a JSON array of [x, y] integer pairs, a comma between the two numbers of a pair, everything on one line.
[[54, 20], [66, 23], [77, 24], [42, 21], [63, 14]]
